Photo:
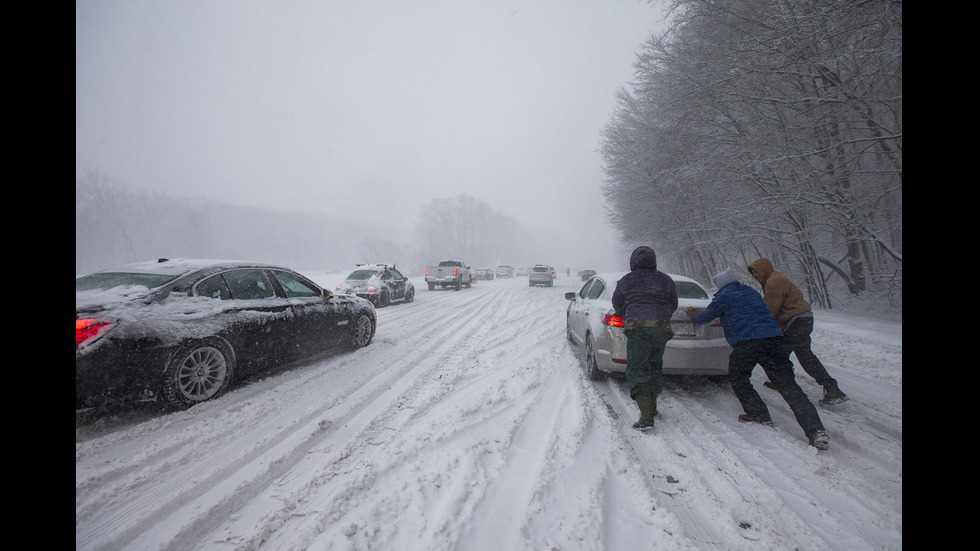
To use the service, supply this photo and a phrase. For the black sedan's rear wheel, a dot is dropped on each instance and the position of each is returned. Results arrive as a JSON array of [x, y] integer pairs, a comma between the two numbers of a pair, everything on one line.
[[361, 332], [198, 372]]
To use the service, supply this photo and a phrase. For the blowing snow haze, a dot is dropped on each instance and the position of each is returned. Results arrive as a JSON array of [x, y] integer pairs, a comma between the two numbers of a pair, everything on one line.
[[361, 110]]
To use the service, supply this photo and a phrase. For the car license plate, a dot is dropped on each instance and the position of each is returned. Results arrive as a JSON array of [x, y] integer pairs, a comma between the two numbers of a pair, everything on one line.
[[682, 328]]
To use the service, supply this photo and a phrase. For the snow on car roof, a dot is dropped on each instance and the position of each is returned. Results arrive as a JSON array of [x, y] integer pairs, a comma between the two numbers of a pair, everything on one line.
[[177, 266], [613, 277]]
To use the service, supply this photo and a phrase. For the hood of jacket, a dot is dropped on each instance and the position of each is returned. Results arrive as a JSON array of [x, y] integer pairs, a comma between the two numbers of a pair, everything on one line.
[[762, 267], [724, 278], [643, 258]]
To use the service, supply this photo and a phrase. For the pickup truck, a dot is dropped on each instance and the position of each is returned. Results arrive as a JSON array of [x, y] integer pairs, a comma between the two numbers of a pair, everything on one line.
[[449, 273]]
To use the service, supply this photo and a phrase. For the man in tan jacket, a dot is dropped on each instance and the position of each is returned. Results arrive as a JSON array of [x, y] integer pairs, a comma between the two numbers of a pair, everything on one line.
[[792, 311]]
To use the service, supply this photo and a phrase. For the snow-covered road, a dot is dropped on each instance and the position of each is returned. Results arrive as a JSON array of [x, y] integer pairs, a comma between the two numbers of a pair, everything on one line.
[[467, 424]]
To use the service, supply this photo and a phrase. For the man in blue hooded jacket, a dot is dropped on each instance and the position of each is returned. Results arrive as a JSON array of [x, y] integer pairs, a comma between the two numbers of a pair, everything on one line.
[[756, 338], [646, 298]]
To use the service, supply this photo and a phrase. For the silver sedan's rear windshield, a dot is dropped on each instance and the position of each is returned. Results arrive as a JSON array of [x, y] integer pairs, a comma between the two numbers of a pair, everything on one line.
[[687, 289]]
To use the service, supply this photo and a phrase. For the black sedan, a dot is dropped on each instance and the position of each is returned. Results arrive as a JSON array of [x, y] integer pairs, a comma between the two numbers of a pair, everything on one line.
[[183, 329]]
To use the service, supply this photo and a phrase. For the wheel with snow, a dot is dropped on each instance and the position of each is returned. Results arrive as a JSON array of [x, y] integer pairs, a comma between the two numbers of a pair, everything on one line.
[[361, 332], [591, 367], [198, 372], [410, 295], [432, 286]]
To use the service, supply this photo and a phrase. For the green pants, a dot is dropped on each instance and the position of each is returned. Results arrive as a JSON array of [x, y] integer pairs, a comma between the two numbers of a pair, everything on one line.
[[645, 359]]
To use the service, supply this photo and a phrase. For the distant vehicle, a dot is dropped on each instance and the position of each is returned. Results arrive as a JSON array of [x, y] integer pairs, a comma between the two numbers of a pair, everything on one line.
[[541, 274], [484, 273], [184, 329], [591, 321], [382, 284], [504, 271], [586, 274], [449, 273]]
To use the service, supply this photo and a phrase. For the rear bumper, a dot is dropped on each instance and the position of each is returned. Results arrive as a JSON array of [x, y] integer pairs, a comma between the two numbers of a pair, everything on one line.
[[442, 279], [682, 357], [112, 374]]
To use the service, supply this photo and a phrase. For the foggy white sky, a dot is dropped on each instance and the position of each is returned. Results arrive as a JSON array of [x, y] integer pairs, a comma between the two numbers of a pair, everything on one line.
[[290, 104]]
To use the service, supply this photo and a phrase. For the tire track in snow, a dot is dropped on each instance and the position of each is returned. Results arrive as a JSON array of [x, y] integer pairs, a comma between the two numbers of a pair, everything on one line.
[[375, 408], [475, 394], [656, 466], [507, 500]]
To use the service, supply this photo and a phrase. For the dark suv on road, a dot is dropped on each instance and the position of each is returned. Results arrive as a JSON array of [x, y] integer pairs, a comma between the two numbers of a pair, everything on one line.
[[382, 284]]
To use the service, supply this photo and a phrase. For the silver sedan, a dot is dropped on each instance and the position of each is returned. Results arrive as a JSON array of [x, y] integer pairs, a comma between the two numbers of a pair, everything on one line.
[[591, 321]]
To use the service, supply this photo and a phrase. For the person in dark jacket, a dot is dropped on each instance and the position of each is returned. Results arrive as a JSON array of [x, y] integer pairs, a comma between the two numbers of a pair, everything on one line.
[[795, 317], [755, 338], [646, 298]]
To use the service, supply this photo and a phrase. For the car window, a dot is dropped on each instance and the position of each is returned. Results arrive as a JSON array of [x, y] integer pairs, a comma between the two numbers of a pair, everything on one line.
[[361, 275], [584, 292], [597, 288], [396, 274], [686, 289], [296, 286], [108, 280], [249, 284], [213, 287]]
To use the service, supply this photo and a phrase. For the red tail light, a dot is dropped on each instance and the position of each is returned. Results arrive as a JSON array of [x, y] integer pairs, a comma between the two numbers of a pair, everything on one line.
[[454, 271], [87, 329], [614, 321], [426, 271]]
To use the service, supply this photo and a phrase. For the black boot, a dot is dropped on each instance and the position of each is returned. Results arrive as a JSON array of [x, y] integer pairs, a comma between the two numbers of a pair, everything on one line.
[[761, 418], [819, 439], [832, 395], [648, 409]]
